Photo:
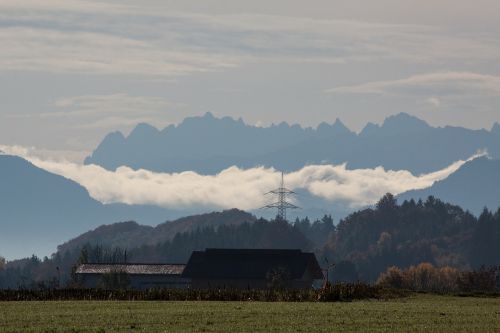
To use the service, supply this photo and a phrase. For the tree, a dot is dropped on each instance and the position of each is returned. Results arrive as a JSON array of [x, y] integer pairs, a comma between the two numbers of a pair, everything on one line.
[[344, 271], [387, 202], [485, 249], [278, 277], [2, 262], [115, 280]]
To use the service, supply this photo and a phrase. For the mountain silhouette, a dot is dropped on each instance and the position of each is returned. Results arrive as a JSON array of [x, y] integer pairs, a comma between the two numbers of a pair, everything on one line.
[[208, 145], [39, 210], [474, 186]]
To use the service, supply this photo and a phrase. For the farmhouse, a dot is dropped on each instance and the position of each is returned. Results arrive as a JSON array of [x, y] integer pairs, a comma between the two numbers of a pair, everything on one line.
[[139, 276], [252, 269], [212, 268]]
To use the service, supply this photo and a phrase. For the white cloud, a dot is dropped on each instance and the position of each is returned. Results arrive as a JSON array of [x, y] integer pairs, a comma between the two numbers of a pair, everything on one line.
[[434, 101], [61, 156], [234, 187], [446, 83]]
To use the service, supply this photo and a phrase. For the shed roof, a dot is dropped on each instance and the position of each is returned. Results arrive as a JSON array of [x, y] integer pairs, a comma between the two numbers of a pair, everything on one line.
[[250, 263], [137, 269]]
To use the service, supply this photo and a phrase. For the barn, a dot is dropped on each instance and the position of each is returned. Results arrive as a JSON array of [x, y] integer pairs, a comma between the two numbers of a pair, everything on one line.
[[252, 269], [139, 276]]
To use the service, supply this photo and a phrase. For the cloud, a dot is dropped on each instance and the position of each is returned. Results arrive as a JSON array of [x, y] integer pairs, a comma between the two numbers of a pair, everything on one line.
[[446, 83], [434, 101], [62, 156], [87, 52], [91, 105], [108, 39], [108, 111], [234, 187]]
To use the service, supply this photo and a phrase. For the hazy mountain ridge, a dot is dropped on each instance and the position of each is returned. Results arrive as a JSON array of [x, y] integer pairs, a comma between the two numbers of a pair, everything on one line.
[[475, 185], [401, 142], [43, 209]]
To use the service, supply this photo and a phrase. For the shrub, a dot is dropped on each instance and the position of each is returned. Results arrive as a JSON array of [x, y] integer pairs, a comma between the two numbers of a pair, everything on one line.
[[423, 277], [336, 292]]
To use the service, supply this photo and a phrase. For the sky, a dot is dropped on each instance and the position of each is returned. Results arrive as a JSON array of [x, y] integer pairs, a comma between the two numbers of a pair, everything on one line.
[[72, 71]]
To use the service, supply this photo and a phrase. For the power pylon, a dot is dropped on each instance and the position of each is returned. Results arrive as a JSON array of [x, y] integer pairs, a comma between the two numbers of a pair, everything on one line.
[[281, 204]]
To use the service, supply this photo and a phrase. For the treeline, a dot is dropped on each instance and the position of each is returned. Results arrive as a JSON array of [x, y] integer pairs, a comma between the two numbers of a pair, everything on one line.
[[56, 271], [363, 245], [414, 232], [260, 234], [426, 277]]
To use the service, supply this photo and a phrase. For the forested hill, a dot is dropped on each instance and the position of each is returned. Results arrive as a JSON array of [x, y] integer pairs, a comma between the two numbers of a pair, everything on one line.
[[414, 232], [402, 142], [131, 234], [363, 245]]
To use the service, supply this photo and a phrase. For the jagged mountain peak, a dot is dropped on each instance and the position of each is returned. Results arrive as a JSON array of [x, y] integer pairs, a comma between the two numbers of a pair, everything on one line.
[[404, 121], [208, 144], [143, 129]]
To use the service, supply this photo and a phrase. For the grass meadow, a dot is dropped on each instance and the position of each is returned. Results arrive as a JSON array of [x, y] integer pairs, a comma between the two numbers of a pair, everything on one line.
[[418, 313]]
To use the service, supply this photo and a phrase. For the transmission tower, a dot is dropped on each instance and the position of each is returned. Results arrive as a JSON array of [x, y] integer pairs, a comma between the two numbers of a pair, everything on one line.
[[281, 204]]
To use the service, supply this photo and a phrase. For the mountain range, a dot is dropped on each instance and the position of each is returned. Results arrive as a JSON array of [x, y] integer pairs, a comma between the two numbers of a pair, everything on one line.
[[39, 210], [208, 145]]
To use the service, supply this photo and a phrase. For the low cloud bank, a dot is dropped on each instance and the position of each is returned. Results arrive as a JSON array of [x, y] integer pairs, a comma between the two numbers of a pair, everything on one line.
[[234, 187]]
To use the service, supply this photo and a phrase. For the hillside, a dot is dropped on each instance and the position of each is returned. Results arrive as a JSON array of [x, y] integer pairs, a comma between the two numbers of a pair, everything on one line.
[[208, 145], [363, 245], [409, 233], [39, 210], [475, 185], [131, 235]]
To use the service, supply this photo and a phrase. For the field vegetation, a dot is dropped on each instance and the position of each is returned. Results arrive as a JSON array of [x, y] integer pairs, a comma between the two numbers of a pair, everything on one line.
[[330, 293], [416, 313]]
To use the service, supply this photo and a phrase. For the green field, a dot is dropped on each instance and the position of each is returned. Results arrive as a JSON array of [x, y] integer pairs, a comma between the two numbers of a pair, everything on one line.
[[416, 313]]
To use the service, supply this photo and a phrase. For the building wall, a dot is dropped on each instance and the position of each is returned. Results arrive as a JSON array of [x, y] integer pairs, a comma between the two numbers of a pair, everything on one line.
[[246, 284], [140, 282]]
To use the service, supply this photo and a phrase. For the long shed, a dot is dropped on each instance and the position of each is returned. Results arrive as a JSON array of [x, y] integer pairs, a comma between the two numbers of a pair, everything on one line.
[[141, 276], [252, 269]]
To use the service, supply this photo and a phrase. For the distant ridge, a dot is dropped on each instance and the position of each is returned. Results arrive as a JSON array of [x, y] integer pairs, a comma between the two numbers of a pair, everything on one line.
[[132, 235], [39, 210], [208, 145], [474, 186]]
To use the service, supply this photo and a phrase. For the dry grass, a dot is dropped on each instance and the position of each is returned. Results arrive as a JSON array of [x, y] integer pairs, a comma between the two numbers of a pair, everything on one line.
[[417, 313]]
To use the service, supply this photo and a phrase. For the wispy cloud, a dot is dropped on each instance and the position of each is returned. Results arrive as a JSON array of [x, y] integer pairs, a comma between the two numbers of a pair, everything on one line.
[[234, 187], [42, 49], [447, 83], [108, 111], [91, 105], [98, 38]]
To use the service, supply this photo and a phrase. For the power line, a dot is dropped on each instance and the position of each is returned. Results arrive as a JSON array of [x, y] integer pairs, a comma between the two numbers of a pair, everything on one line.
[[281, 204]]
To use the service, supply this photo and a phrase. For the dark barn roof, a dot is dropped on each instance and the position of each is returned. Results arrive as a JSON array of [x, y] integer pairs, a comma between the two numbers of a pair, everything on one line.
[[249, 263], [133, 269]]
